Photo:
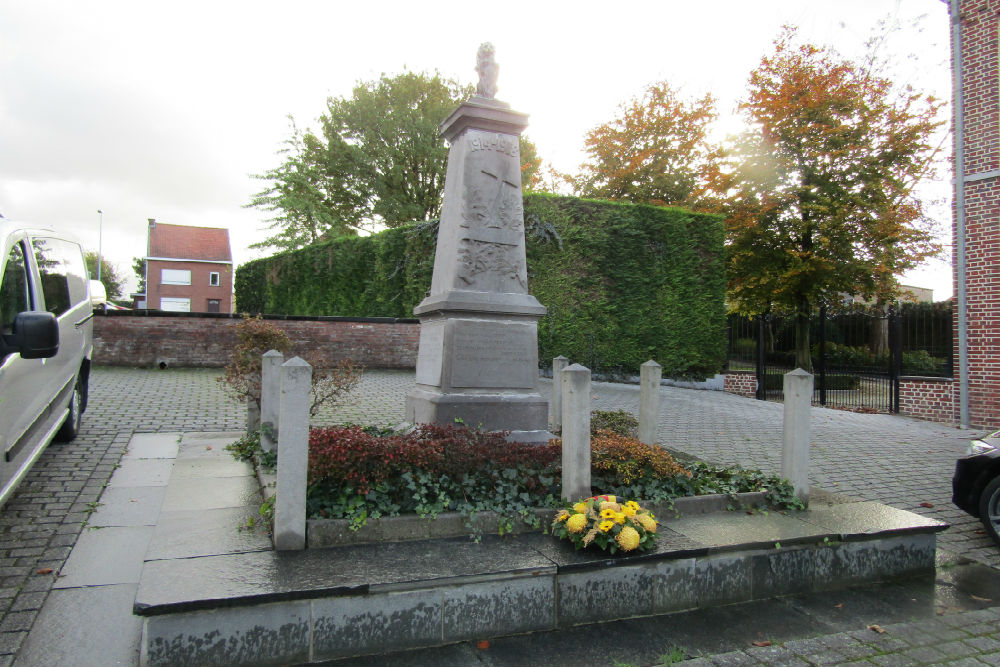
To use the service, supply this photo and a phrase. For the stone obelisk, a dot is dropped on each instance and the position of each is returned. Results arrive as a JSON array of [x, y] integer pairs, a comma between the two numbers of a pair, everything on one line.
[[478, 357]]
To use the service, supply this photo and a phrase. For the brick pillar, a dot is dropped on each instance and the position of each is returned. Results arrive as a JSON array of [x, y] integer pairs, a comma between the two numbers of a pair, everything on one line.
[[980, 181]]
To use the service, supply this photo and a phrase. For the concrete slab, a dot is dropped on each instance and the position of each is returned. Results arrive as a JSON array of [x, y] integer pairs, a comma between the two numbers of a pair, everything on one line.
[[747, 531], [505, 606], [211, 468], [191, 533], [104, 556], [208, 445], [152, 446], [188, 584], [568, 559], [265, 635], [869, 518], [85, 627], [197, 494], [358, 625], [180, 584], [128, 506], [142, 472]]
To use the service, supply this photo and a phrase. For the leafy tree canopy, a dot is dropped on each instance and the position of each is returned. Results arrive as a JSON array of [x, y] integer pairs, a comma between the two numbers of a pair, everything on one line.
[[378, 161], [655, 152], [139, 269], [819, 193], [114, 284]]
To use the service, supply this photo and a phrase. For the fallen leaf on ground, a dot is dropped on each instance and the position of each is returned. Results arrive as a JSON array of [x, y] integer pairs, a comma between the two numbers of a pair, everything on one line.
[[877, 628], [839, 605], [762, 644], [44, 570], [482, 645], [208, 446], [928, 505]]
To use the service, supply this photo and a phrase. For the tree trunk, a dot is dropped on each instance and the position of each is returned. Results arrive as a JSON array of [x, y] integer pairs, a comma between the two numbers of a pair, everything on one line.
[[803, 359], [879, 339]]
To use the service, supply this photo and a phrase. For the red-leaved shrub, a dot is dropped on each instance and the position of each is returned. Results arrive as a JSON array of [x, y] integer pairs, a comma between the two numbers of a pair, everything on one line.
[[351, 456]]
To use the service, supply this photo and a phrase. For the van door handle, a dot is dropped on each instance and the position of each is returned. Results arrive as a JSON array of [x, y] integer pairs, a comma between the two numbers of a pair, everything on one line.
[[80, 323]]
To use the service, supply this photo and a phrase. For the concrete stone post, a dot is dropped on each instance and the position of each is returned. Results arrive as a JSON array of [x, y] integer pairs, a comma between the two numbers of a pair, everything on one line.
[[575, 384], [270, 395], [253, 416], [649, 401], [293, 456], [798, 387], [558, 365]]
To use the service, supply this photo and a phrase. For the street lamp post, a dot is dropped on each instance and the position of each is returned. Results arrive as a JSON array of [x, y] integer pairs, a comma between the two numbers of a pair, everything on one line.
[[100, 238]]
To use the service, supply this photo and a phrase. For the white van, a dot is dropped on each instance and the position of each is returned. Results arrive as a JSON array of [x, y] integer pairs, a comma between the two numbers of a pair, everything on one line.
[[46, 342]]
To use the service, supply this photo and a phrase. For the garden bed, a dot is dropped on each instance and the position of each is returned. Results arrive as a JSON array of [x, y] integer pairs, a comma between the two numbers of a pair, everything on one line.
[[339, 532], [368, 486]]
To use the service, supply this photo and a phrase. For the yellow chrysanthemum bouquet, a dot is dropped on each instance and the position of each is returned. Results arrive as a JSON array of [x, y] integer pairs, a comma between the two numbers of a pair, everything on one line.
[[607, 523]]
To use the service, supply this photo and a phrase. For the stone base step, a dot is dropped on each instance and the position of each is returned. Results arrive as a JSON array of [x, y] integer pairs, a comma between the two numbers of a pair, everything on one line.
[[270, 608]]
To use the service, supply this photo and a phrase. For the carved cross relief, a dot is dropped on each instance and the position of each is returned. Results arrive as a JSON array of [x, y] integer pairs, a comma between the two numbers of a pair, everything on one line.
[[490, 252]]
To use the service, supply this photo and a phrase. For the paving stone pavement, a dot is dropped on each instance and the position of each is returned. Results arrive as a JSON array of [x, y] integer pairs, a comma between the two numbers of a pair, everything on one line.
[[894, 460]]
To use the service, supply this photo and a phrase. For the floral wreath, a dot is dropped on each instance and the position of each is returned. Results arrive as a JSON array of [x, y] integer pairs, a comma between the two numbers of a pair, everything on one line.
[[607, 523]]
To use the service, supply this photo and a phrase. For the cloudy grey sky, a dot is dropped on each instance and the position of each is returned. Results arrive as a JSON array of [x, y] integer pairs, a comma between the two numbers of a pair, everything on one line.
[[164, 110]]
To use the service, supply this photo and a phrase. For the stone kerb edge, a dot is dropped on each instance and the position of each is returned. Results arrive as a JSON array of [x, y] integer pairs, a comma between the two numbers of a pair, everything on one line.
[[337, 532]]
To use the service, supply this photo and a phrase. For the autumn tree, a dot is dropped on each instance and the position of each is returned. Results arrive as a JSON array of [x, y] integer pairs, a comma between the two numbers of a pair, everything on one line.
[[655, 151], [819, 193], [378, 161], [114, 284]]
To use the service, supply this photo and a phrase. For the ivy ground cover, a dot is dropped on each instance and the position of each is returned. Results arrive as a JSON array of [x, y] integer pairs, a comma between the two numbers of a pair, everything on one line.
[[358, 473]]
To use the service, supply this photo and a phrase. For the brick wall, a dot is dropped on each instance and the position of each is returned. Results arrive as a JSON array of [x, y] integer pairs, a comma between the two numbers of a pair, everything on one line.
[[143, 339], [742, 383], [933, 399], [982, 196]]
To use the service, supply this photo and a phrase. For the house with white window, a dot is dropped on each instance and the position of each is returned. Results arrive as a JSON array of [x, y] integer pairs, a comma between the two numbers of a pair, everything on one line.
[[188, 269]]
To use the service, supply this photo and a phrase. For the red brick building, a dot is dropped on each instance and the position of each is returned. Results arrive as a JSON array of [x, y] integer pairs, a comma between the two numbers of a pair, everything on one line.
[[188, 269], [976, 222]]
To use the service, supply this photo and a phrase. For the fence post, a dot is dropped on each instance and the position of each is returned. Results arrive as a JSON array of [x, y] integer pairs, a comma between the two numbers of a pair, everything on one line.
[[558, 365], [575, 386], [798, 388], [822, 355], [649, 401], [895, 356], [293, 456], [761, 394], [270, 394]]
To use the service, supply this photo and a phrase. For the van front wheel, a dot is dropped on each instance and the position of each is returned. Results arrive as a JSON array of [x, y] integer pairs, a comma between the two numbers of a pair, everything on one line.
[[71, 427]]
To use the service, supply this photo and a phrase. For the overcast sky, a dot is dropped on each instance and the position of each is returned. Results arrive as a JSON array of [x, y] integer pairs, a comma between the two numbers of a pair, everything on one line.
[[164, 110]]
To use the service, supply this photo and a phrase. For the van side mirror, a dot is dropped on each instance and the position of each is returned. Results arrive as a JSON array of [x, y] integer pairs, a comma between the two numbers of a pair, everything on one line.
[[35, 335]]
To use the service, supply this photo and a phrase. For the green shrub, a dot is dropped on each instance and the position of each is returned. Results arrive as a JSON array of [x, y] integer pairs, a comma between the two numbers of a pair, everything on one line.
[[623, 283], [834, 381], [621, 422]]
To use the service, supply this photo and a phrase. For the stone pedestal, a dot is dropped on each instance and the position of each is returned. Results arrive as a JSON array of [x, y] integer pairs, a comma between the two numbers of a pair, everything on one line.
[[478, 357]]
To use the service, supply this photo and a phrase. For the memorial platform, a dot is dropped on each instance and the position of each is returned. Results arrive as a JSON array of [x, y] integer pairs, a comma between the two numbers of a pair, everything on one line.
[[212, 591]]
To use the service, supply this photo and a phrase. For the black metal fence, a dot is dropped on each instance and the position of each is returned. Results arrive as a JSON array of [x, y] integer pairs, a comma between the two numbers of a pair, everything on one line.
[[857, 355]]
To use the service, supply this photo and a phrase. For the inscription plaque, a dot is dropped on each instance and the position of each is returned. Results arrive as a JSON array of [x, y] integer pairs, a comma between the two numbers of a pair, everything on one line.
[[495, 355]]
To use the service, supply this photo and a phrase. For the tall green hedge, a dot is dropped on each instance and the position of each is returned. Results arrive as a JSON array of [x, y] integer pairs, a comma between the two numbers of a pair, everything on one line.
[[623, 283]]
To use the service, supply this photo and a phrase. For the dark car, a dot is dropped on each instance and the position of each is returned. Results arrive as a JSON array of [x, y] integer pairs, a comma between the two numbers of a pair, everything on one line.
[[976, 484]]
